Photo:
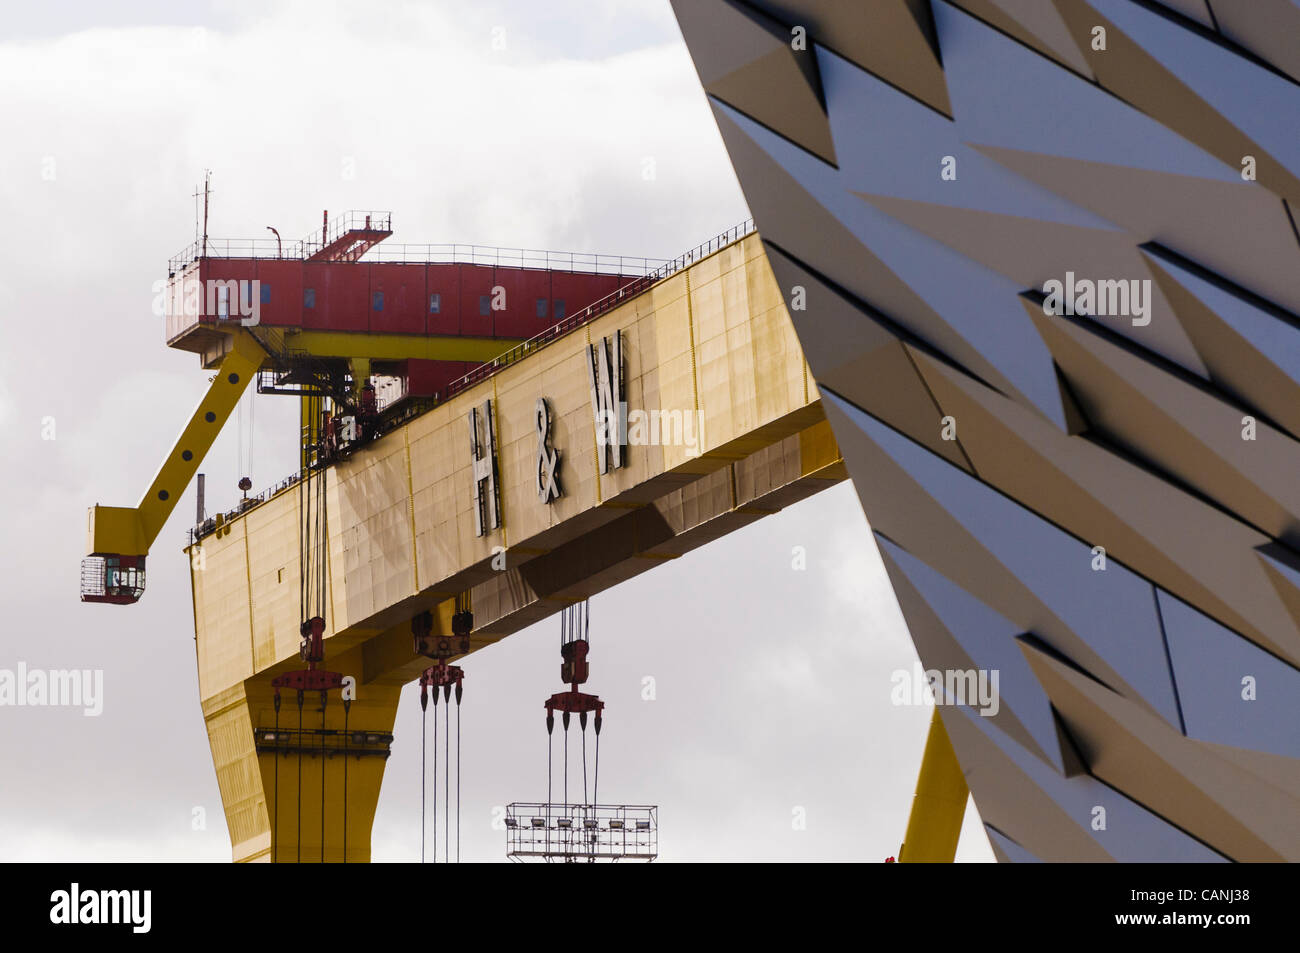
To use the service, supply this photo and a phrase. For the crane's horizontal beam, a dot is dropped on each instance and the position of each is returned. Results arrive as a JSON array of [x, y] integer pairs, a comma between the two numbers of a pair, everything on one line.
[[398, 347]]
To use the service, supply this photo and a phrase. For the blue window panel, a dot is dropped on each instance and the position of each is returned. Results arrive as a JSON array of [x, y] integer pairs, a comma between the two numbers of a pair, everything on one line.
[[1273, 339], [435, 303], [1148, 837], [377, 301], [309, 297], [266, 293], [484, 306], [1209, 663], [1253, 99], [559, 309], [541, 307], [1113, 612], [991, 105], [1008, 342], [860, 105]]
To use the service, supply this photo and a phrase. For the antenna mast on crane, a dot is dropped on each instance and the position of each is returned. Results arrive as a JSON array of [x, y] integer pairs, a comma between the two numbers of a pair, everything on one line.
[[206, 193]]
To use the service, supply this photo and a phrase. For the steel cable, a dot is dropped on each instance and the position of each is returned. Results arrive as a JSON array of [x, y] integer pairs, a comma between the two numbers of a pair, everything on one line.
[[275, 826], [435, 774], [446, 784], [300, 746], [458, 780], [347, 738], [550, 746], [323, 697], [424, 773]]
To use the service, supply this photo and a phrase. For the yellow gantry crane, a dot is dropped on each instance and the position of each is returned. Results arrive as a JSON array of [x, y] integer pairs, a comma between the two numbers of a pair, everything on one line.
[[320, 336]]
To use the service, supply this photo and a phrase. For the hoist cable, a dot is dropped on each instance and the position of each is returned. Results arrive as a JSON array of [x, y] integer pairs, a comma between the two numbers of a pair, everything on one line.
[[566, 779], [347, 710], [323, 697], [300, 746], [446, 779], [446, 784], [275, 827], [302, 529], [595, 781], [436, 692], [424, 773], [458, 780], [304, 510], [550, 746], [324, 542], [313, 515], [244, 434], [239, 437], [584, 782], [319, 548], [313, 541]]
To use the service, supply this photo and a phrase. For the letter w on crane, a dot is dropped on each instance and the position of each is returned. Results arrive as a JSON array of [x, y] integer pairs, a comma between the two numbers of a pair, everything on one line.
[[605, 373]]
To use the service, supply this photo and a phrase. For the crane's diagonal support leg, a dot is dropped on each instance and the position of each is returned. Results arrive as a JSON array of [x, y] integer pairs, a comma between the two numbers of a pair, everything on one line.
[[119, 530], [939, 804]]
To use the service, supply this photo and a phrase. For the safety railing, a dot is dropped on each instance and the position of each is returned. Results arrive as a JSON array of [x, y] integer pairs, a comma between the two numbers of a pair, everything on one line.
[[599, 307], [431, 254], [274, 248], [587, 263], [93, 576], [350, 221], [500, 257], [582, 832], [234, 248], [210, 525]]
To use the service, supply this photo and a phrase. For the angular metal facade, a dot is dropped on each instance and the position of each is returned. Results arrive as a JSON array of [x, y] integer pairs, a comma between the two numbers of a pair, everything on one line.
[[1102, 506]]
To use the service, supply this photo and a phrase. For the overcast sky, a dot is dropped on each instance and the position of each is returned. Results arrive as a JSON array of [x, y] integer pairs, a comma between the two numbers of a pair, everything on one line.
[[509, 123]]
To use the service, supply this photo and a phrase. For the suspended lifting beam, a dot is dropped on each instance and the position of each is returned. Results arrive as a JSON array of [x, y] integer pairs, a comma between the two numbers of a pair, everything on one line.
[[939, 805], [119, 531]]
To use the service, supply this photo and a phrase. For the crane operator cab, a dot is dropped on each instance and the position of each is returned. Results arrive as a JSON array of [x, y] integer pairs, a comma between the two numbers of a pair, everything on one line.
[[114, 579]]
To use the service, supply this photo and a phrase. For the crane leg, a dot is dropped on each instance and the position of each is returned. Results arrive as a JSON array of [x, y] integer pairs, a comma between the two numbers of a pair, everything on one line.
[[255, 769], [939, 805]]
